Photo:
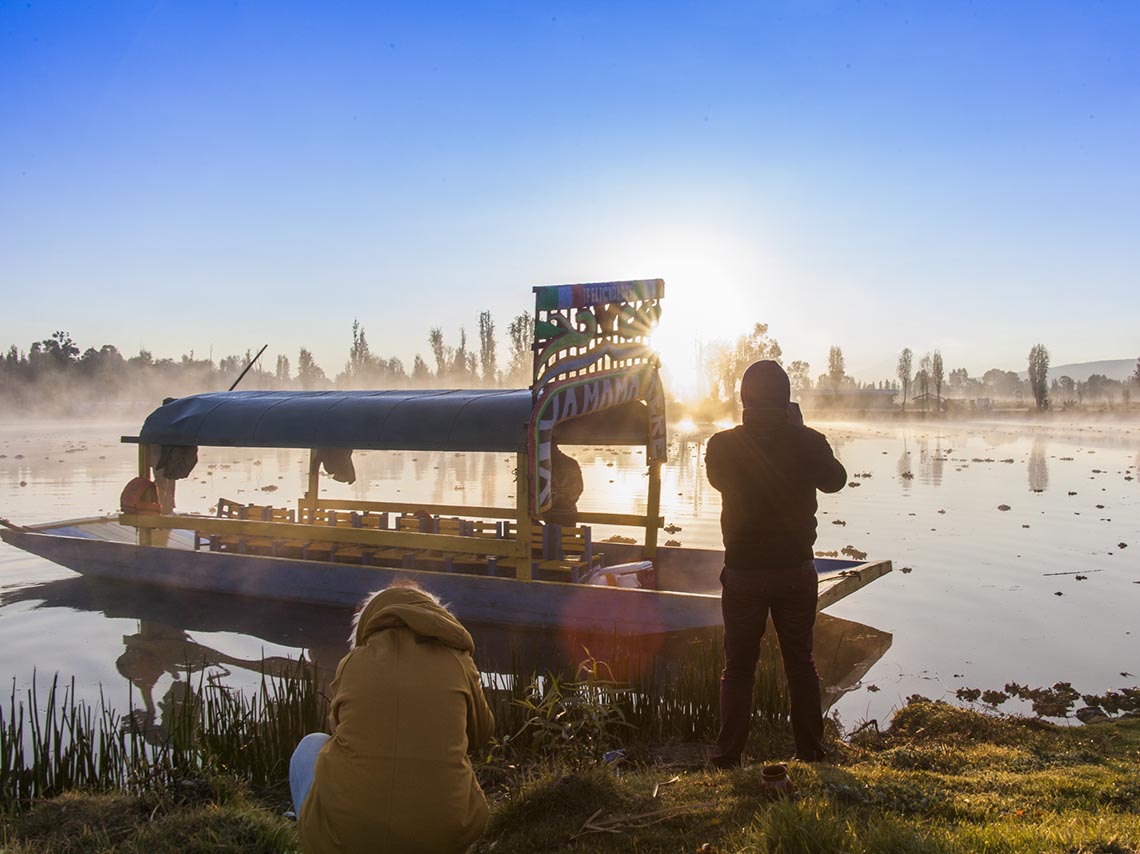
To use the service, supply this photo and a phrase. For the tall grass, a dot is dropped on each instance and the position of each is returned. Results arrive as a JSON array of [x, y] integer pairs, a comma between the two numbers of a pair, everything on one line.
[[63, 743], [589, 709]]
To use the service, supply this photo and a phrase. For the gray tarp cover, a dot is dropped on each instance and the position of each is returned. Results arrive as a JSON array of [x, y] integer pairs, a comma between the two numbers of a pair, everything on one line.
[[433, 420]]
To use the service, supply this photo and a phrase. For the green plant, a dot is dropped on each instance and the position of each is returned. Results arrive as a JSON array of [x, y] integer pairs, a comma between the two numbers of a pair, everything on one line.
[[582, 716]]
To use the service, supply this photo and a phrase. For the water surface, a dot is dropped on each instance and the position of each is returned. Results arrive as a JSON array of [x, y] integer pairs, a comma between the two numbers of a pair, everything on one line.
[[1040, 592]]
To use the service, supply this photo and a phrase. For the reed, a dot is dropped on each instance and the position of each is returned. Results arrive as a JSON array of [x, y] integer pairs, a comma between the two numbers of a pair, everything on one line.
[[656, 702], [64, 744], [53, 743]]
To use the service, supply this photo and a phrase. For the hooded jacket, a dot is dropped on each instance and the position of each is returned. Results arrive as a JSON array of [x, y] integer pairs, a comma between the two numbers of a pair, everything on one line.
[[767, 471], [407, 705]]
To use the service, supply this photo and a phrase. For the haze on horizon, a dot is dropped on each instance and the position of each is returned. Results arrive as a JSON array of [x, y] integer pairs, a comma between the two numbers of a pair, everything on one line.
[[204, 178]]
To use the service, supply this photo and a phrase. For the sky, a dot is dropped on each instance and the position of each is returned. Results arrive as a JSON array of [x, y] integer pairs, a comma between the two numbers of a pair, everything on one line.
[[209, 177]]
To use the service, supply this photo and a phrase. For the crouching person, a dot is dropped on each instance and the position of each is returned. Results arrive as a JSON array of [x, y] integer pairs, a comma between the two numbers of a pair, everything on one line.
[[407, 705]]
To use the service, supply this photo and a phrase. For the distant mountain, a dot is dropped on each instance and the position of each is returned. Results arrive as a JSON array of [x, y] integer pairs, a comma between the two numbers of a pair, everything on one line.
[[1114, 369]]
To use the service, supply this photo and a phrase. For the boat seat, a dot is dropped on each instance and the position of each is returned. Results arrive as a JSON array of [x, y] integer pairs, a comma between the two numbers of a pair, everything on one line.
[[367, 520], [558, 550], [402, 556], [453, 527], [227, 509], [317, 549], [263, 513]]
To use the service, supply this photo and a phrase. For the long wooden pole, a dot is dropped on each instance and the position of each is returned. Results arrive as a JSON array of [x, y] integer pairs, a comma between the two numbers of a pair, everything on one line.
[[145, 534], [522, 506], [652, 510], [252, 362]]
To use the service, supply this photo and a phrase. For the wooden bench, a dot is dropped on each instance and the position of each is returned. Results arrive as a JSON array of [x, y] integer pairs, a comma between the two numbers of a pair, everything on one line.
[[366, 520], [557, 550], [318, 549], [228, 509], [404, 557]]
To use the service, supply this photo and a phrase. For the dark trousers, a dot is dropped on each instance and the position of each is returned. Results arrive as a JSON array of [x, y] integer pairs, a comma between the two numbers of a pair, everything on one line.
[[746, 600]]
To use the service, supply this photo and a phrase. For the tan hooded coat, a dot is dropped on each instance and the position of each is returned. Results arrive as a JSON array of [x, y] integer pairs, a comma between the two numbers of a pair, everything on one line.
[[407, 705]]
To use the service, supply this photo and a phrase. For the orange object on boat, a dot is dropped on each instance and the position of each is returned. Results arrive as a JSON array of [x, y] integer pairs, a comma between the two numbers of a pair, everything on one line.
[[140, 495]]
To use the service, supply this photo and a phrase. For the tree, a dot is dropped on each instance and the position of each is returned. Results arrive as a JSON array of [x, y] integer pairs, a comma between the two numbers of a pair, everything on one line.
[[799, 373], [1066, 389], [936, 377], [1136, 373], [435, 341], [282, 371], [309, 373], [1038, 373], [922, 380], [836, 368], [421, 373], [359, 355], [904, 372], [487, 347], [463, 362], [727, 364], [520, 335], [1001, 384]]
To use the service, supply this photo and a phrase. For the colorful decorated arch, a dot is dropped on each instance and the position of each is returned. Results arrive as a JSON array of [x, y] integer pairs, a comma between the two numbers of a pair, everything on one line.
[[592, 357]]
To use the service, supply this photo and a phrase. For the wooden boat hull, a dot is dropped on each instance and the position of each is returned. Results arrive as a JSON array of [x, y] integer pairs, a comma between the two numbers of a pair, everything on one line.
[[476, 598]]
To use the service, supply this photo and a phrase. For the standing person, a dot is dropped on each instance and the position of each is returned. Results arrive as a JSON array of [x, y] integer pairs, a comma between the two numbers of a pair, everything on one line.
[[767, 471], [407, 706]]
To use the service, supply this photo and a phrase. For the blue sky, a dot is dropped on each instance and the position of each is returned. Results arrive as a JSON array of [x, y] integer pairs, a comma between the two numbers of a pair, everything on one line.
[[213, 176]]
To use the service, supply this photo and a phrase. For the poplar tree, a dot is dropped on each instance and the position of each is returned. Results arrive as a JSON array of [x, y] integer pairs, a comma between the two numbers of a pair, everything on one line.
[[936, 376], [1038, 370], [836, 367], [906, 364], [487, 347]]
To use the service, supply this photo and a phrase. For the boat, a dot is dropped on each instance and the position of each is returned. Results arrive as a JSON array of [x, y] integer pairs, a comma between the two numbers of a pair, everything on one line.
[[595, 382]]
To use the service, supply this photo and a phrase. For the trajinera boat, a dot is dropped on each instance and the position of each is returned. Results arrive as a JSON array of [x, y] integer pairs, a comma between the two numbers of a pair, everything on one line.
[[595, 382]]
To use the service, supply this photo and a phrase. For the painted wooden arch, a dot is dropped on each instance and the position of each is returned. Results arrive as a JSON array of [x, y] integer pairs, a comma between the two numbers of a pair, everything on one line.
[[592, 357]]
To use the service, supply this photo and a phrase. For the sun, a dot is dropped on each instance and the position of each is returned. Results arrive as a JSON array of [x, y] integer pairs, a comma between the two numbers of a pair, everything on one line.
[[680, 362]]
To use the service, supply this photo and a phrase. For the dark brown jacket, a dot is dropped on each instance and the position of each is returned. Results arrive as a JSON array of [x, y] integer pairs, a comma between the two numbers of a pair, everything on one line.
[[767, 472]]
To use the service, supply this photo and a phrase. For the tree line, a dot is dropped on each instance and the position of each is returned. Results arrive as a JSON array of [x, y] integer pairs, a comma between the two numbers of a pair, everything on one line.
[[56, 374], [1007, 386], [923, 382]]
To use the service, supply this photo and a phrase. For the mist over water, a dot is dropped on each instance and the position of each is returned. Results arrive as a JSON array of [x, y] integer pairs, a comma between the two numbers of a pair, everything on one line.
[[973, 601]]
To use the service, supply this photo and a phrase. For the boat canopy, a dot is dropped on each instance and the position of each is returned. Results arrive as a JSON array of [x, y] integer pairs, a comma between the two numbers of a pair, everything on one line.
[[595, 381], [413, 420]]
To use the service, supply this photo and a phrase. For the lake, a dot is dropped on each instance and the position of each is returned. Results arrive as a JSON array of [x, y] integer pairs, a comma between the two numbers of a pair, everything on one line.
[[1016, 547]]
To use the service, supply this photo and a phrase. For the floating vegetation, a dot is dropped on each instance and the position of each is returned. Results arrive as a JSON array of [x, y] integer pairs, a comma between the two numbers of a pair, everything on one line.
[[853, 553]]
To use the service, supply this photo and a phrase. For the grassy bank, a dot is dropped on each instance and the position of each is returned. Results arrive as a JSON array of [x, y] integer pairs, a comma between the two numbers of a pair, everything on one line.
[[940, 779]]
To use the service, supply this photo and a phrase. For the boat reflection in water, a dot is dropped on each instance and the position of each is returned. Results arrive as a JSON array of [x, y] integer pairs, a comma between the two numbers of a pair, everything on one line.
[[165, 644]]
